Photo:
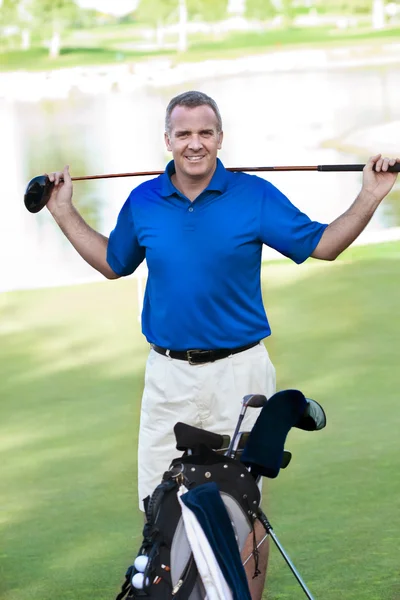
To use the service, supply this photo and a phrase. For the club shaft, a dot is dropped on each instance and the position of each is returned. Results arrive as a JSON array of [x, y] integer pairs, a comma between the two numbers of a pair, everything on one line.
[[236, 444], [322, 168], [230, 452]]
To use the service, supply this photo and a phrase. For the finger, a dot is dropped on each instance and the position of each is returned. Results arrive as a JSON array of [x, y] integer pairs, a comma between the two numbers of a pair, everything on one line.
[[371, 162], [378, 165], [375, 158], [66, 174], [385, 164], [392, 162], [60, 177]]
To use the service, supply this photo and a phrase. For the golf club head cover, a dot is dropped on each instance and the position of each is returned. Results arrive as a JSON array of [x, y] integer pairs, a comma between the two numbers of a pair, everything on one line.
[[313, 418], [263, 452], [286, 457], [188, 436]]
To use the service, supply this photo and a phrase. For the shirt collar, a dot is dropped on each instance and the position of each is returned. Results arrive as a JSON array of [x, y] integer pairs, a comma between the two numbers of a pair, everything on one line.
[[218, 183]]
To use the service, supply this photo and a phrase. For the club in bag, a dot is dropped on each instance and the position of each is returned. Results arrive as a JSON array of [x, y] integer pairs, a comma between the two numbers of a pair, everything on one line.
[[253, 400]]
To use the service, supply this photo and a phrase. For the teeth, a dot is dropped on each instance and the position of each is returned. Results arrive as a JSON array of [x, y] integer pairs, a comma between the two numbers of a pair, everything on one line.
[[194, 158]]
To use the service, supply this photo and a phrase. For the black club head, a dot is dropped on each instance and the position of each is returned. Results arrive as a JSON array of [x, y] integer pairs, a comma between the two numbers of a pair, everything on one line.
[[37, 193]]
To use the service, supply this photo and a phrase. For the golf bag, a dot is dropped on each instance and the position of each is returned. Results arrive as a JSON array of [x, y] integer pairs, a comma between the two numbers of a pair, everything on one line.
[[227, 504], [171, 571]]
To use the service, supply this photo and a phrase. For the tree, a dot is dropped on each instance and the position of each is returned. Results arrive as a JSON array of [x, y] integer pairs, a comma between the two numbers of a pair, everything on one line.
[[287, 12], [8, 11], [378, 14], [214, 10], [157, 13], [14, 14], [25, 18], [260, 9], [8, 18], [160, 12], [53, 16]]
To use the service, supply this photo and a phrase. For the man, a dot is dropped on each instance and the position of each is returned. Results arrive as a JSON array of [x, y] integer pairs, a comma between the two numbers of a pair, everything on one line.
[[201, 230]]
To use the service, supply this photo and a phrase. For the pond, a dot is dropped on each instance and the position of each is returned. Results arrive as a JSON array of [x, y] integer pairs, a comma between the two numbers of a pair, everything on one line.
[[286, 118]]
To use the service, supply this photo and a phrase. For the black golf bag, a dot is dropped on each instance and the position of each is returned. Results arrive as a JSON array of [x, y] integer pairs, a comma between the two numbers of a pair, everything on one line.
[[165, 568], [171, 571]]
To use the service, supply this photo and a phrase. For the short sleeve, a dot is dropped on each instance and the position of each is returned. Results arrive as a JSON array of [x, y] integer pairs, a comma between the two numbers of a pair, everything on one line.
[[285, 228], [124, 254]]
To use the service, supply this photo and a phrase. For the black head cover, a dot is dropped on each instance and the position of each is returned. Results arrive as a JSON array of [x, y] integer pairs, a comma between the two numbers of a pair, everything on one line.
[[188, 436], [286, 458], [263, 452], [37, 193]]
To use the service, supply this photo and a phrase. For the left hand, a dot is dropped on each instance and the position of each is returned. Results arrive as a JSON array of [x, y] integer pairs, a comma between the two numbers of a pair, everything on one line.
[[376, 180]]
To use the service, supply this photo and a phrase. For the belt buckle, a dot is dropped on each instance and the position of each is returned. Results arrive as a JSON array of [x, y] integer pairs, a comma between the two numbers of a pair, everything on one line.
[[191, 354]]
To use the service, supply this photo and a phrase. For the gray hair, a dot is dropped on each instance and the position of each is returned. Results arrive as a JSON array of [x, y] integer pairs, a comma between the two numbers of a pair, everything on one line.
[[192, 99]]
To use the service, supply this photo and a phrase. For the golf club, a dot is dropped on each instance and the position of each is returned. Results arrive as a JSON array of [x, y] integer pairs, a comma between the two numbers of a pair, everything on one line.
[[263, 452], [39, 188], [253, 400], [313, 418]]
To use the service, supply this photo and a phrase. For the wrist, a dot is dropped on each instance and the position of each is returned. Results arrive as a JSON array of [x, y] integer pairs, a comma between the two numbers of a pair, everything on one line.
[[61, 211], [368, 198]]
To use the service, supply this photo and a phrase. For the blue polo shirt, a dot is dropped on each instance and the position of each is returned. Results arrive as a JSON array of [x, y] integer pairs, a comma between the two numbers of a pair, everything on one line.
[[204, 257]]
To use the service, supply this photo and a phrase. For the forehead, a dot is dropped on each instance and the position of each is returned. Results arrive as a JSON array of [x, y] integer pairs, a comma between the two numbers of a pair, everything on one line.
[[191, 119]]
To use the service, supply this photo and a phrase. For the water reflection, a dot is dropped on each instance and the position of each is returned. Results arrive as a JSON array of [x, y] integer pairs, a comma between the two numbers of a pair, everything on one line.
[[268, 119]]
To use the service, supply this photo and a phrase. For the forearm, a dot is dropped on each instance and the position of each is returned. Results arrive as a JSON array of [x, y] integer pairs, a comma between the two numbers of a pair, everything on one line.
[[345, 229], [91, 245]]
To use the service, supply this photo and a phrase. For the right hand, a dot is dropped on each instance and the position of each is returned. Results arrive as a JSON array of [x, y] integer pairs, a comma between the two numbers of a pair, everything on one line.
[[377, 180], [61, 195]]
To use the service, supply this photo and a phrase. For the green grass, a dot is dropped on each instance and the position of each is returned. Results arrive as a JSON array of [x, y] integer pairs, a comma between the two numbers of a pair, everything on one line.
[[116, 45], [37, 59], [71, 373], [295, 36]]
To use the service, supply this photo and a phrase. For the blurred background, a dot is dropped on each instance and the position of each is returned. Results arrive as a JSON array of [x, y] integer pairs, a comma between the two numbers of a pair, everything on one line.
[[298, 82], [86, 84]]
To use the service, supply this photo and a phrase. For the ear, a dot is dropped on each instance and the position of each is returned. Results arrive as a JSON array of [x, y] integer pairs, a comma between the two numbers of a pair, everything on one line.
[[167, 141], [220, 138]]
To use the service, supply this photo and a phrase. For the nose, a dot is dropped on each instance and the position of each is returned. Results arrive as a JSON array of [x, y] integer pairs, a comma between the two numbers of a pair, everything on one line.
[[195, 142]]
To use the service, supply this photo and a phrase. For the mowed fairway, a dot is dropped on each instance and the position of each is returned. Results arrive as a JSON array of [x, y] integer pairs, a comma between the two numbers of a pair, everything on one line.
[[71, 376]]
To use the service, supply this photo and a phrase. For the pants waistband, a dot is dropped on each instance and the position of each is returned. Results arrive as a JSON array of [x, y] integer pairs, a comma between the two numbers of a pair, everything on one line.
[[196, 357]]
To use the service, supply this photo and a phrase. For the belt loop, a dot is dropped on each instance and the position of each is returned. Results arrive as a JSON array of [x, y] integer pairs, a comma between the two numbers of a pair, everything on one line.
[[167, 354]]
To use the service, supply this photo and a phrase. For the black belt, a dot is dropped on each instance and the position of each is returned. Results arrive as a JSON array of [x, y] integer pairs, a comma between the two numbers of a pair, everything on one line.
[[196, 357]]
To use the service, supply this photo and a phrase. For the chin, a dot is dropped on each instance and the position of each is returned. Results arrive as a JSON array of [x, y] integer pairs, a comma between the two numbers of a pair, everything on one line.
[[198, 173], [197, 169]]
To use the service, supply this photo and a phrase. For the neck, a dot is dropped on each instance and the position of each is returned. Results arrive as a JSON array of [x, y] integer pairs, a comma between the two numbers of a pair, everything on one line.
[[191, 187]]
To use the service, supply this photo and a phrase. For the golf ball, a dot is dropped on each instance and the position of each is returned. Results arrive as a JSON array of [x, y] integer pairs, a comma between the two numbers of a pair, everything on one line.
[[141, 562], [137, 581]]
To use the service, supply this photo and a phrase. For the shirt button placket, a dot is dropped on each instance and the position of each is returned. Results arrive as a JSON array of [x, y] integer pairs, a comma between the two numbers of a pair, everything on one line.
[[189, 223]]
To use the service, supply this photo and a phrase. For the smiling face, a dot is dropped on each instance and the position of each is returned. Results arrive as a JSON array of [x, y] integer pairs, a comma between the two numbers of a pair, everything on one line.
[[194, 140]]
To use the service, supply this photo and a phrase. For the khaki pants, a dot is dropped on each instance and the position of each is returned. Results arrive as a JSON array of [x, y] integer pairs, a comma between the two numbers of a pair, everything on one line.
[[207, 396]]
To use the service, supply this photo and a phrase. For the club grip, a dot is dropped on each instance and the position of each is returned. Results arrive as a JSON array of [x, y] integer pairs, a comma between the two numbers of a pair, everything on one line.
[[394, 169]]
